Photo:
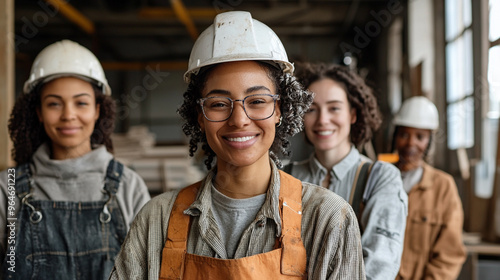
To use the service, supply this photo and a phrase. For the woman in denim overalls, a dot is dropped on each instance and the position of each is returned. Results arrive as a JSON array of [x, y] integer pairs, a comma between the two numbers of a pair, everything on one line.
[[68, 203]]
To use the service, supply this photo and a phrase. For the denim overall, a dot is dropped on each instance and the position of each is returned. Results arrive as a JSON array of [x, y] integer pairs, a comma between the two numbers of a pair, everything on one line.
[[67, 240]]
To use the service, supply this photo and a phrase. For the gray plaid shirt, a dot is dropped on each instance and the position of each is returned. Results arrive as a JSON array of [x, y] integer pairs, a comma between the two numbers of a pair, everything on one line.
[[329, 231]]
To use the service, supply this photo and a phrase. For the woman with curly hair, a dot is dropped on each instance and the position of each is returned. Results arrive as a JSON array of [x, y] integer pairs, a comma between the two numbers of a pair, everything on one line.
[[245, 219], [343, 116], [69, 204]]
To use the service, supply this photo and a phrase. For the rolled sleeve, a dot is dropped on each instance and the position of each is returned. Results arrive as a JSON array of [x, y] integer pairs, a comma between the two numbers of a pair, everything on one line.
[[383, 223], [140, 255]]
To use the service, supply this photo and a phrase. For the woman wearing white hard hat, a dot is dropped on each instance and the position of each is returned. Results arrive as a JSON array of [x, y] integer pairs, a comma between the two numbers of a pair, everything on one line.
[[70, 203], [246, 219], [343, 116], [433, 247]]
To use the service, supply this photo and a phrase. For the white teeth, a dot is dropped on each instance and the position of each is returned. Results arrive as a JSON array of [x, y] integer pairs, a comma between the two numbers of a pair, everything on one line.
[[325, 132], [241, 139]]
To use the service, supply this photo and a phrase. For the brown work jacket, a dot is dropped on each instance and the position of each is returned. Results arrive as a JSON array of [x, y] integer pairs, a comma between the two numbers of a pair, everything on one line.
[[433, 247]]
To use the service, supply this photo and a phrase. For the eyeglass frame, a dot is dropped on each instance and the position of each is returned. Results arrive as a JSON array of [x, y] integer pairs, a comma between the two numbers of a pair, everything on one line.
[[275, 98]]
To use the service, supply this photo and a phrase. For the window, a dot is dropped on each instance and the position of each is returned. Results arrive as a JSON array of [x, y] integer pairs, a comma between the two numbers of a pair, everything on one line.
[[494, 60], [459, 74], [485, 167]]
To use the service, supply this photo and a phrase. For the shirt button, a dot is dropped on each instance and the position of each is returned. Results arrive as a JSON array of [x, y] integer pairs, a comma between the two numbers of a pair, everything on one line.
[[261, 223]]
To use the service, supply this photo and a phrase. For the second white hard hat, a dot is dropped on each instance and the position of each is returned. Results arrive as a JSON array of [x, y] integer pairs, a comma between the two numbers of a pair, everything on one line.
[[418, 112], [236, 36], [66, 58]]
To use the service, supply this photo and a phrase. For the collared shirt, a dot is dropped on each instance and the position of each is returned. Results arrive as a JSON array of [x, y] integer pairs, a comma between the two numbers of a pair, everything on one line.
[[384, 216], [233, 216], [433, 243], [329, 232]]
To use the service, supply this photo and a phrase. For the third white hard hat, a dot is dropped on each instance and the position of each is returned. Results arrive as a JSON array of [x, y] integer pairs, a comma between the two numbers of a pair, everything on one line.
[[66, 58], [418, 112], [236, 36]]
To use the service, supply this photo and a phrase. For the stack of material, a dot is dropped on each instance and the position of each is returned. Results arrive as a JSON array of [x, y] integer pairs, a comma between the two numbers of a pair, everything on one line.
[[162, 168], [132, 144]]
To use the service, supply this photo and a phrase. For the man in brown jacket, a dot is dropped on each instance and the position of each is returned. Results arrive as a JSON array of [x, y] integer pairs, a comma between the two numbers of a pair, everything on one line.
[[433, 247]]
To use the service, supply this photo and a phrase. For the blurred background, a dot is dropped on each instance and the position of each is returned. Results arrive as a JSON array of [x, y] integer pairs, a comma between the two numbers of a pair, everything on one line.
[[447, 50]]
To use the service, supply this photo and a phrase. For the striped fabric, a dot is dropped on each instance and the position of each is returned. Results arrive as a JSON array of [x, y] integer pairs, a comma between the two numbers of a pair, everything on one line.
[[329, 230]]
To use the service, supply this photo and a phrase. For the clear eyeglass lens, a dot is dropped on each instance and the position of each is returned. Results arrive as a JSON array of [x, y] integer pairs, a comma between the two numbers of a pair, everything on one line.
[[257, 107]]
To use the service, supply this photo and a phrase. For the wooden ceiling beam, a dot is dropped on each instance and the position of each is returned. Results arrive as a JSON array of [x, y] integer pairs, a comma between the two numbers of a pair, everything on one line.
[[183, 15], [73, 15]]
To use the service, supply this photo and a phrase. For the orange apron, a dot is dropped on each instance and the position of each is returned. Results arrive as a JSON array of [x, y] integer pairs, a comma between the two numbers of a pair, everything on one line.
[[287, 262]]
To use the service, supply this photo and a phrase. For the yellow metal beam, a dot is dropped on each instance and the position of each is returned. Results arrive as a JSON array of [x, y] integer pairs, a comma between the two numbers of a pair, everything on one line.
[[184, 17], [73, 15]]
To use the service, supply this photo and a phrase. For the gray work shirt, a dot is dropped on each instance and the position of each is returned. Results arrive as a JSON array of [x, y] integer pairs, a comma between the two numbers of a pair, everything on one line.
[[384, 217], [412, 178], [233, 216], [329, 232]]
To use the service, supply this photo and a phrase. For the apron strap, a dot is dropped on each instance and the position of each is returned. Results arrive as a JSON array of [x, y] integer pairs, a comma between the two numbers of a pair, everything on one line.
[[113, 176], [23, 177], [174, 251], [293, 256]]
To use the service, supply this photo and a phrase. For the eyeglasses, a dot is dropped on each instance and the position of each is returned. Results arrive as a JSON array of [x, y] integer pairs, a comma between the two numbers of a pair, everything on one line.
[[257, 107]]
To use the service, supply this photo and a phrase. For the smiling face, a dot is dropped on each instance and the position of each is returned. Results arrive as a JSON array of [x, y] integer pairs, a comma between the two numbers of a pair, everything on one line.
[[328, 121], [411, 144], [239, 141], [68, 112]]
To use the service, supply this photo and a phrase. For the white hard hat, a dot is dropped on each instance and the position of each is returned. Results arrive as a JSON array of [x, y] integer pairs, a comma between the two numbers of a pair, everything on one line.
[[66, 58], [418, 112], [235, 36]]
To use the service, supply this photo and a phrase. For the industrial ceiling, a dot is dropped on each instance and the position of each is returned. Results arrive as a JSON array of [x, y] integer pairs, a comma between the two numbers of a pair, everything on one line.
[[126, 34]]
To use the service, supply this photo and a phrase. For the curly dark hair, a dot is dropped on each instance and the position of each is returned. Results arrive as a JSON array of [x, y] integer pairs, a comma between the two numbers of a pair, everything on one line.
[[27, 132], [359, 95], [294, 102]]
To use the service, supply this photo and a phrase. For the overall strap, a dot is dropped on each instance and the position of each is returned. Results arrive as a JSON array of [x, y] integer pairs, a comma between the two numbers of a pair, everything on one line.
[[174, 250], [23, 177], [293, 256], [358, 188], [23, 188], [113, 176]]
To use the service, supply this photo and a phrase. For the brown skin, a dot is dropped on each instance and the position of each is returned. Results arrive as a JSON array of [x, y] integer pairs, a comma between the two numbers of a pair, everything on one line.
[[411, 144], [68, 112], [240, 143]]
